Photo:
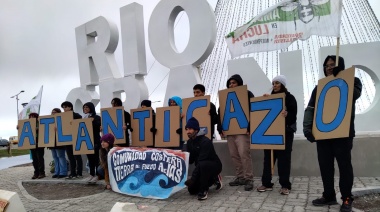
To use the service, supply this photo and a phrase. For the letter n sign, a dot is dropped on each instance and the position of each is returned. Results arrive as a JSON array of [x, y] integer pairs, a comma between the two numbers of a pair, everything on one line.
[[267, 125], [332, 114]]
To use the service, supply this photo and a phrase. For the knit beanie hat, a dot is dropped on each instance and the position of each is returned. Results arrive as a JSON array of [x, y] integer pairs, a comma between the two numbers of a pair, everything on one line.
[[193, 124], [281, 79], [146, 102], [109, 138]]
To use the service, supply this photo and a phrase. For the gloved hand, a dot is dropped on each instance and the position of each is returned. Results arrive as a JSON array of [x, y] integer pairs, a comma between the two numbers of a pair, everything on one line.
[[153, 130], [179, 131], [310, 137], [189, 183], [336, 71]]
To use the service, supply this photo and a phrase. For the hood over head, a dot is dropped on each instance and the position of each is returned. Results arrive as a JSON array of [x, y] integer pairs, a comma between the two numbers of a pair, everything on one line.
[[333, 57], [236, 77], [177, 100]]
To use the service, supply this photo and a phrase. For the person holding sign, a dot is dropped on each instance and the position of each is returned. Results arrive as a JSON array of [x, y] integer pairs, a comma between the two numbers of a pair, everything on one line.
[[198, 91], [93, 159], [107, 144], [38, 155], [177, 101], [147, 103], [283, 156], [239, 146], [207, 162], [116, 102], [58, 153], [339, 148], [76, 162]]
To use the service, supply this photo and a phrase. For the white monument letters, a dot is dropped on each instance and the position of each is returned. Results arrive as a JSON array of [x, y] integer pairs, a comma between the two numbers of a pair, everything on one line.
[[97, 64]]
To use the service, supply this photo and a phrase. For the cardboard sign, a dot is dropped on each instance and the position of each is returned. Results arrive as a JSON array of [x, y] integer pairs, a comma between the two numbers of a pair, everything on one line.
[[46, 132], [199, 108], [27, 133], [167, 122], [142, 121], [113, 121], [65, 130], [84, 137], [147, 172], [267, 125], [234, 110], [332, 114]]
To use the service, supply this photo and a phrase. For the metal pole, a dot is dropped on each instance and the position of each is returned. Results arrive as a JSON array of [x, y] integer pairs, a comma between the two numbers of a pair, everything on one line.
[[17, 101]]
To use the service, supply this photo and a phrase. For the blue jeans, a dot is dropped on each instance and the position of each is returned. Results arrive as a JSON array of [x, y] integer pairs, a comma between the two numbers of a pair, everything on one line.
[[100, 172], [59, 161]]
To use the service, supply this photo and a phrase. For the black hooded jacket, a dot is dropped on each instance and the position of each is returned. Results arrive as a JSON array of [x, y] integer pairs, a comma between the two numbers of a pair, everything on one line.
[[96, 122], [309, 112], [239, 80]]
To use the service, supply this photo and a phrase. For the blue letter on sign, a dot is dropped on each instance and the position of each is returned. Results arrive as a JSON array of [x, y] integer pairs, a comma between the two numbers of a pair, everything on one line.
[[26, 133], [166, 125], [238, 113], [85, 137], [343, 89], [61, 137], [117, 130], [194, 105], [141, 116], [46, 122], [275, 107]]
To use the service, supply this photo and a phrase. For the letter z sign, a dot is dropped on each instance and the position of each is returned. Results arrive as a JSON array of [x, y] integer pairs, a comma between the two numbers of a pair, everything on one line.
[[267, 125]]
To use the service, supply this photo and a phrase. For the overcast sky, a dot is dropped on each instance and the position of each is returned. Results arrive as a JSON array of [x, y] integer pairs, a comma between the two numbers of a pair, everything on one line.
[[38, 47]]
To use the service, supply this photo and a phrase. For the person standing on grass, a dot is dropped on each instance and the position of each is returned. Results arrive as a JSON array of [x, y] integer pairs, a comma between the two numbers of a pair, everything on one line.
[[76, 162], [58, 153], [283, 157]]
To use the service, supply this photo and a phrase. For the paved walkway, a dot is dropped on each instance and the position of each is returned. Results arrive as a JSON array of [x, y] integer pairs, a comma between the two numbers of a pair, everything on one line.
[[305, 189]]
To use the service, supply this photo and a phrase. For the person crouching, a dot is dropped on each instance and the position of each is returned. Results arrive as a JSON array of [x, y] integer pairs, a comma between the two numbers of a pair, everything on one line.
[[207, 162]]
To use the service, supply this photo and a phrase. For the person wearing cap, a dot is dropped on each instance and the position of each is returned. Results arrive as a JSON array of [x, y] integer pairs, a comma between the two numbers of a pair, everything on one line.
[[76, 162], [38, 155], [107, 142], [207, 162], [239, 146], [283, 157], [336, 148], [116, 102]]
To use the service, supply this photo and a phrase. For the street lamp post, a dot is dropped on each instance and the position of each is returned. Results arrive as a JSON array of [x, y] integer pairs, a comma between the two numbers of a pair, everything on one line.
[[17, 100]]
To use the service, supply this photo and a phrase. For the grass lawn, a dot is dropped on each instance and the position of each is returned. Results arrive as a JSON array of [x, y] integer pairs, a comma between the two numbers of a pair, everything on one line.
[[15, 152]]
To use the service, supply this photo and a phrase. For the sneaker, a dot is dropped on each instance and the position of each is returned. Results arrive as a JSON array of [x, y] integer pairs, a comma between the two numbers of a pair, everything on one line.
[[54, 176], [70, 177], [262, 188], [218, 182], [237, 181], [62, 176], [284, 191], [34, 177], [346, 205], [322, 202], [202, 195], [87, 179], [93, 180], [248, 185], [41, 176], [79, 176]]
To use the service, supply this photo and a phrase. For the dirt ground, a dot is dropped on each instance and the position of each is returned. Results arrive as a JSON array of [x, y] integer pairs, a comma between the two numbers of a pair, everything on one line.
[[368, 203], [66, 190]]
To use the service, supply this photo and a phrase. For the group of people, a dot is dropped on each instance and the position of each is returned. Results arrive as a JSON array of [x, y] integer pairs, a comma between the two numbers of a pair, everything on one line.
[[208, 166]]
